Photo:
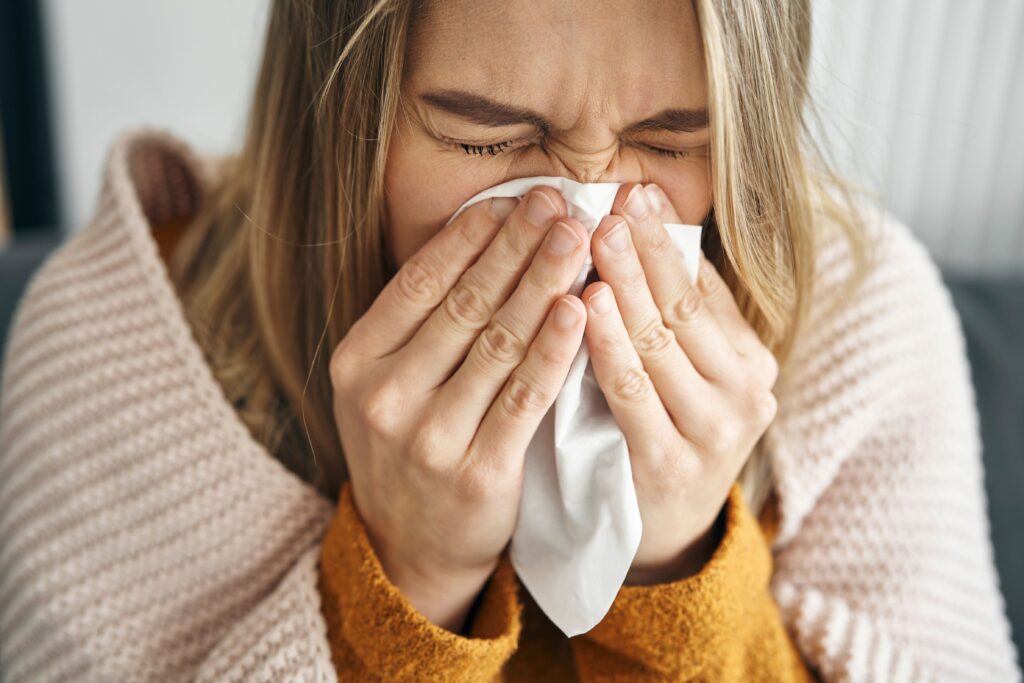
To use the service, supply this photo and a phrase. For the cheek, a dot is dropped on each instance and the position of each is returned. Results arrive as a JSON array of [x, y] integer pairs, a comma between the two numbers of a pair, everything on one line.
[[420, 198], [688, 188]]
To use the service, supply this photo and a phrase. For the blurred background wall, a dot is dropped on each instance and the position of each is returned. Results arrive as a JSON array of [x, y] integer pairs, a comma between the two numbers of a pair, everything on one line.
[[925, 102], [187, 65]]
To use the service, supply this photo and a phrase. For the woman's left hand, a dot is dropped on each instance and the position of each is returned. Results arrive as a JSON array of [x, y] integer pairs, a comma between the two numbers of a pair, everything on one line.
[[688, 381]]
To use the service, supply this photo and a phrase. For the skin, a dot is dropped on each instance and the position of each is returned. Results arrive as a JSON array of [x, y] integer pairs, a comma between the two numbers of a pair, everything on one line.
[[447, 376]]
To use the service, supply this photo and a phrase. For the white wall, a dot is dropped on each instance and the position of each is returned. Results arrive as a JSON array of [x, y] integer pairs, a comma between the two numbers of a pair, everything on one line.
[[926, 103], [924, 100], [187, 65]]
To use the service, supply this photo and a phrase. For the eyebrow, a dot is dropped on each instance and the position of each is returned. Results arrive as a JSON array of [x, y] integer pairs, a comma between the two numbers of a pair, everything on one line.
[[487, 112]]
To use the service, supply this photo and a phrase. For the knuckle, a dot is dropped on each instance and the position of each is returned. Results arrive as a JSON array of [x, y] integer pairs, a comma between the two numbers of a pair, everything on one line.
[[341, 367], [428, 448], [632, 385], [483, 479], [764, 364], [536, 281], [654, 339], [634, 279], [379, 408], [473, 484], [471, 229], [769, 367], [499, 345], [605, 345], [465, 306], [520, 239], [763, 405], [748, 343], [707, 277], [550, 357], [688, 306], [661, 241], [522, 398], [419, 280], [718, 435]]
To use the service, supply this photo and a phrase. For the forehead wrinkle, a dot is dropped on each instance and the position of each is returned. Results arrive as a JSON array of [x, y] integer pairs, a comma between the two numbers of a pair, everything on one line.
[[569, 82]]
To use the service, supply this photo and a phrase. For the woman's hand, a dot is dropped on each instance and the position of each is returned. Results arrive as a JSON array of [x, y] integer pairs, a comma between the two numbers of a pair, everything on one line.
[[687, 378], [440, 386]]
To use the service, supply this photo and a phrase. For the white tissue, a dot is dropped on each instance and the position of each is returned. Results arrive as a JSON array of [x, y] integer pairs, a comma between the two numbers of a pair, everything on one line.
[[579, 523]]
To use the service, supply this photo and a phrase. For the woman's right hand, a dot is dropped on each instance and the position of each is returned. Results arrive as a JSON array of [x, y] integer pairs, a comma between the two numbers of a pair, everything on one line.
[[441, 384]]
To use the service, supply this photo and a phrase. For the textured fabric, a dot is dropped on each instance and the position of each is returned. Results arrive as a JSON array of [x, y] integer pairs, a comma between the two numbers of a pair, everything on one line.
[[377, 635], [720, 624], [145, 536]]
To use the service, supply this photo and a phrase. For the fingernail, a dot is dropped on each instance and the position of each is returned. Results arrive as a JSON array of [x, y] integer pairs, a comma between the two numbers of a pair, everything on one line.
[[602, 301], [501, 207], [566, 314], [562, 239], [636, 202], [540, 209], [654, 197], [616, 238]]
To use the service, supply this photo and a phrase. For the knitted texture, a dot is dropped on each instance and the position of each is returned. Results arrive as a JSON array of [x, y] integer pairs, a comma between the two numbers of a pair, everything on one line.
[[379, 636], [884, 564], [146, 536]]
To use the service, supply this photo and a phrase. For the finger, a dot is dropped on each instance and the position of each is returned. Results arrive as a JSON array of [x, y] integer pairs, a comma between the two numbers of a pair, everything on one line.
[[614, 365], [674, 376], [681, 305], [723, 306], [425, 279], [504, 342], [661, 204], [513, 418], [447, 335], [627, 387], [712, 286]]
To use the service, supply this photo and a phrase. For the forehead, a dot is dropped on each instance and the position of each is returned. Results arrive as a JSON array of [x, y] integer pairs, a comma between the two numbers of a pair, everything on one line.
[[562, 57]]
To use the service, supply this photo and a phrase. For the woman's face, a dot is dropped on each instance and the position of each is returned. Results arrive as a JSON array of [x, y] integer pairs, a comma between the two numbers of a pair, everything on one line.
[[593, 91]]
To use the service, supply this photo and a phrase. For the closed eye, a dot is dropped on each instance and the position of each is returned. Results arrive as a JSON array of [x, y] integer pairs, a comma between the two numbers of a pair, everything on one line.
[[481, 150], [498, 148]]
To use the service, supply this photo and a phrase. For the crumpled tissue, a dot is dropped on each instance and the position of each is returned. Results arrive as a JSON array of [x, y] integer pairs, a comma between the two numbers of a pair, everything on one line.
[[579, 522]]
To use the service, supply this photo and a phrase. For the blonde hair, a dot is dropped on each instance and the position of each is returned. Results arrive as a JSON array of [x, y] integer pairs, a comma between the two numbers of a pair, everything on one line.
[[288, 249]]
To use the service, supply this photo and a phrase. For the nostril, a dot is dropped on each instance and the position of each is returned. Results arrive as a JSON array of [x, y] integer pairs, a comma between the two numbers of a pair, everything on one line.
[[597, 175]]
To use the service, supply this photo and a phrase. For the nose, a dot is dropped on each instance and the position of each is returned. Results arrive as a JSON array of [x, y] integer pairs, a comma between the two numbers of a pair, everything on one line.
[[585, 164]]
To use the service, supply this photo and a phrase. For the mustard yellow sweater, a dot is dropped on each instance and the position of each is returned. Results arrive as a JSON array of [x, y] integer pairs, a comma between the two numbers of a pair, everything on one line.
[[721, 624]]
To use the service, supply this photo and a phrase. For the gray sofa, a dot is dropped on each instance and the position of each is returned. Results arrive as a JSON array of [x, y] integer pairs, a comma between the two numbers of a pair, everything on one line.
[[992, 313]]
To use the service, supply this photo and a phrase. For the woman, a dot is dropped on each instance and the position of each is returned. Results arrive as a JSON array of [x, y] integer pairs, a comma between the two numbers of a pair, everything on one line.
[[265, 419]]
